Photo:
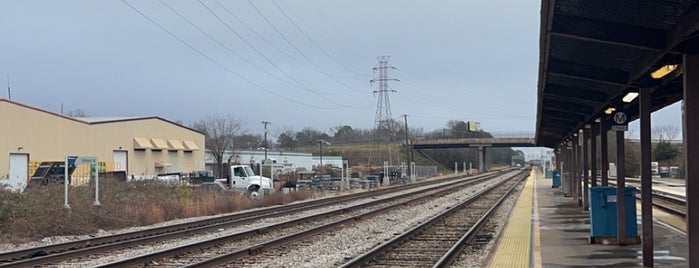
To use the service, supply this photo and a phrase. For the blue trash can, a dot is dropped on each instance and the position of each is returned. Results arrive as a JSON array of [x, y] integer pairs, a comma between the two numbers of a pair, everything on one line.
[[603, 208], [556, 179]]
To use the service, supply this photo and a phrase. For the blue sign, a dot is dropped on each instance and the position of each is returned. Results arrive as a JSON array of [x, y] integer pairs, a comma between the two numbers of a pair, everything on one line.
[[71, 160]]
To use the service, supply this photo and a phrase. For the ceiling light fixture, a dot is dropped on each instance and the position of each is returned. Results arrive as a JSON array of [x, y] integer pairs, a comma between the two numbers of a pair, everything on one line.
[[629, 97], [663, 71], [609, 110]]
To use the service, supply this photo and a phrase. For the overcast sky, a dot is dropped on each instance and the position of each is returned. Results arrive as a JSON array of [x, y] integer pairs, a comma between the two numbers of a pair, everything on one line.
[[463, 60]]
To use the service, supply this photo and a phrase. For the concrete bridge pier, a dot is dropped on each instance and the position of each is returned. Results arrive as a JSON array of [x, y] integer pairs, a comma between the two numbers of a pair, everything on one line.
[[481, 159]]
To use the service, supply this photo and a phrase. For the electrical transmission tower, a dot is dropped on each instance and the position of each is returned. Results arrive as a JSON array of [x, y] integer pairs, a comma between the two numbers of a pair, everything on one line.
[[383, 118], [383, 104]]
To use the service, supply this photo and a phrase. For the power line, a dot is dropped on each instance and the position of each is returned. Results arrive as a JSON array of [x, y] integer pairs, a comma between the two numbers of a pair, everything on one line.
[[282, 35], [311, 40], [226, 47], [442, 84], [223, 45], [218, 63], [316, 69], [242, 22], [268, 60]]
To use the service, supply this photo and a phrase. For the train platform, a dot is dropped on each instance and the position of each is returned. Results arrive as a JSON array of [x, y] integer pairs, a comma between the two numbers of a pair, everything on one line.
[[560, 230], [672, 186]]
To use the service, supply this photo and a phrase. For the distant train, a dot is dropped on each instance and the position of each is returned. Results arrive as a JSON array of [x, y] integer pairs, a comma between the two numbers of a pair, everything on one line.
[[535, 162]]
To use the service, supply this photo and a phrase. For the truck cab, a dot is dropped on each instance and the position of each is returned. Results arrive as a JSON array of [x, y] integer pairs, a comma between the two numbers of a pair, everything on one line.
[[243, 179]]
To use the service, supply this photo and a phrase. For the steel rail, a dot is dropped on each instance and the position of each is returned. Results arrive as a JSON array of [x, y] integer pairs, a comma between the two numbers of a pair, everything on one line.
[[457, 249], [57, 252], [672, 203], [260, 247], [367, 257]]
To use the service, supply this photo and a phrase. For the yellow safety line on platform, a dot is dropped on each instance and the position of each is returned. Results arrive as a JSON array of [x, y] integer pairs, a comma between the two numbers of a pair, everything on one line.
[[536, 260], [514, 246]]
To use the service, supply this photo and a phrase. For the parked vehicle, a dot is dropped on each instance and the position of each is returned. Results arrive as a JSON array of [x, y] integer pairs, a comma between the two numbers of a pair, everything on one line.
[[243, 179], [213, 186]]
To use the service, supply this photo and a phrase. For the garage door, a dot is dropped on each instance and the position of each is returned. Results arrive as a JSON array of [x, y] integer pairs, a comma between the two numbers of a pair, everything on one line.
[[19, 169], [120, 160]]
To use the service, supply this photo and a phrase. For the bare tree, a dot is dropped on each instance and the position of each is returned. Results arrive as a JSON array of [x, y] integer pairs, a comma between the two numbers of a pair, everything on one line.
[[220, 133], [665, 132], [286, 138]]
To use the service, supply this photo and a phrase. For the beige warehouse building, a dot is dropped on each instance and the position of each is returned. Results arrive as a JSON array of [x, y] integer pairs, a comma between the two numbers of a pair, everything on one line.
[[141, 146]]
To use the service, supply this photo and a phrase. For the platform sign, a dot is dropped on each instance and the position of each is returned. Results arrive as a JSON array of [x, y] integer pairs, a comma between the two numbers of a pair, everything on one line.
[[71, 160], [569, 145], [620, 122], [86, 160]]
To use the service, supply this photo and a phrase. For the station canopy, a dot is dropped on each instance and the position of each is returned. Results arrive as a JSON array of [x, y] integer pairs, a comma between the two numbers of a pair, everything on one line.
[[593, 53]]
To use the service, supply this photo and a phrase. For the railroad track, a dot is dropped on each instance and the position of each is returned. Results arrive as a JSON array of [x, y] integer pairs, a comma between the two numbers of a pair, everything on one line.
[[245, 248], [665, 201], [80, 248], [440, 240]]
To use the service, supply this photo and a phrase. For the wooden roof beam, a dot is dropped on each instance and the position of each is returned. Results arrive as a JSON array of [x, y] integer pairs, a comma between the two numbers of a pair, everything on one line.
[[563, 115], [577, 93], [608, 33], [588, 72], [684, 29], [564, 106]]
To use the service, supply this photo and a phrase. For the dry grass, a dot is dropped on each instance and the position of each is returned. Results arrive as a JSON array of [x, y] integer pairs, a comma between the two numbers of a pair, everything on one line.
[[39, 212]]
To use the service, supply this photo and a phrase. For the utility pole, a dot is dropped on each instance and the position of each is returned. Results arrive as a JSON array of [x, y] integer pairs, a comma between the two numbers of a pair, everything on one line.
[[407, 143], [9, 93], [320, 143], [383, 104], [265, 123]]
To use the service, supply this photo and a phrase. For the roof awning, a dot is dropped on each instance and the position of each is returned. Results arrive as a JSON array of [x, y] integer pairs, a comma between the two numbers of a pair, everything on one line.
[[175, 145], [593, 53], [141, 143], [190, 146], [159, 144]]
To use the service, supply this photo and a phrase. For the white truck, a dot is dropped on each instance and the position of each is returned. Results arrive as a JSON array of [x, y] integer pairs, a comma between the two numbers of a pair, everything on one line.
[[243, 179]]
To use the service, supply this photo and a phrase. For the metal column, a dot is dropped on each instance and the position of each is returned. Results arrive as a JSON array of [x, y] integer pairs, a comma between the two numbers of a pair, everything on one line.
[[690, 127], [575, 170], [620, 189], [566, 168], [593, 155], [586, 168], [559, 158], [644, 101], [604, 152]]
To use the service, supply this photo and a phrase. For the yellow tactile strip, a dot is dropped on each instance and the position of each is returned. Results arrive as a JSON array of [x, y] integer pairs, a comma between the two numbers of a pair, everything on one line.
[[514, 246]]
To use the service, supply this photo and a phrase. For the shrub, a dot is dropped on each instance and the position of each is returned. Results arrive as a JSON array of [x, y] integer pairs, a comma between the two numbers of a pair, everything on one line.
[[39, 212]]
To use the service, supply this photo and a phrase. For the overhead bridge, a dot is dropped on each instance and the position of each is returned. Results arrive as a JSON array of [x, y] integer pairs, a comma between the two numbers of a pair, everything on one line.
[[472, 143], [478, 143]]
